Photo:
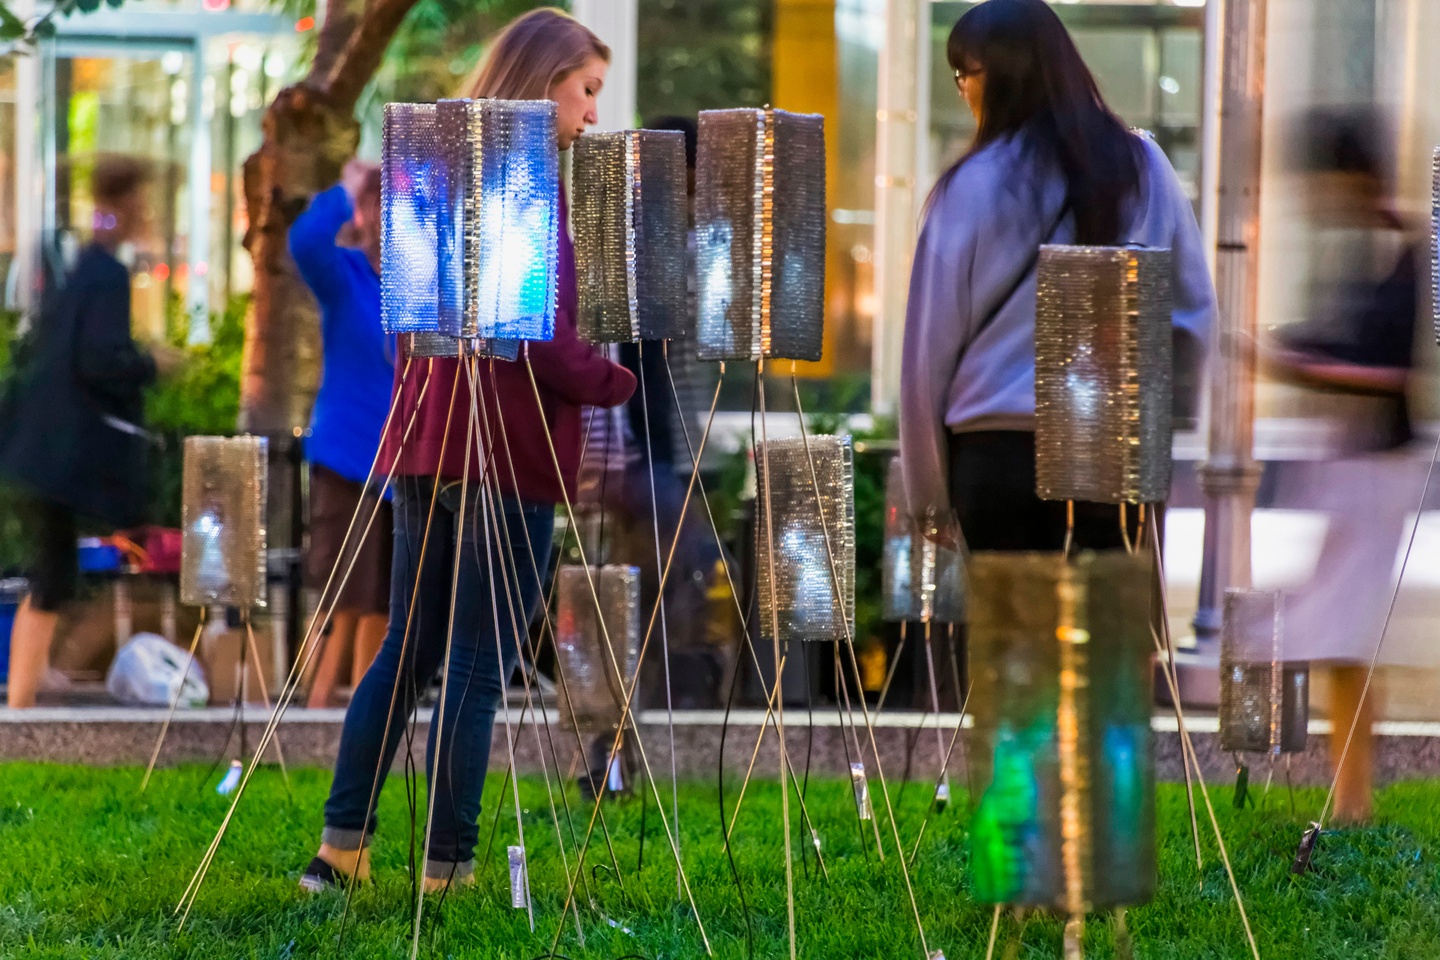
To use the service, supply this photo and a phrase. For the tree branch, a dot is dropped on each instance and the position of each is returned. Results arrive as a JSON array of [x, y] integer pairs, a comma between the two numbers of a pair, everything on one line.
[[361, 57], [335, 32]]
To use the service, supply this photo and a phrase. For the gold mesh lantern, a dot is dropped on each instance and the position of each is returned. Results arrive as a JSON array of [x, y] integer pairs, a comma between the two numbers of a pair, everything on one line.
[[800, 594], [1435, 240], [760, 235], [1103, 374], [1264, 697], [920, 579], [1060, 652], [223, 519], [630, 235], [590, 689]]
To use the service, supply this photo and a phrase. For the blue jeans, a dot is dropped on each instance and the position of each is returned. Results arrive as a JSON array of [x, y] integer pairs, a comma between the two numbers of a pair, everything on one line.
[[479, 668]]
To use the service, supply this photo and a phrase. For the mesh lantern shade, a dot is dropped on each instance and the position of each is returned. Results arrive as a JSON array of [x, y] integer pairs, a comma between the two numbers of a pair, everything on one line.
[[920, 580], [1435, 240], [1264, 698], [222, 510], [630, 215], [1103, 374], [412, 185], [760, 235], [1063, 761], [499, 235], [469, 223], [437, 346], [791, 555], [589, 688]]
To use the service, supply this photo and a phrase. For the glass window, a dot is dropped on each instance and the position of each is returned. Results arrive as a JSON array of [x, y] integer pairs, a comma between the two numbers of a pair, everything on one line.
[[1147, 59], [110, 101]]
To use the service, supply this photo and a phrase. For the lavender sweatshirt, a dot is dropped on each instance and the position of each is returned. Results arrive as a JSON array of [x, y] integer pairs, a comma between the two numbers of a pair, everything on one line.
[[979, 233]]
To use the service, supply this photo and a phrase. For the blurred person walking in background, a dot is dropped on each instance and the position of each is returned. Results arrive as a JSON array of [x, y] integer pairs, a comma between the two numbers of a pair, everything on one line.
[[357, 371], [1357, 343], [72, 435]]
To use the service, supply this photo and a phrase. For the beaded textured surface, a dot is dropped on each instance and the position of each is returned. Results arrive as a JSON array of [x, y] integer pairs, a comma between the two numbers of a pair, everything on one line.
[[589, 686], [760, 235], [792, 560], [223, 521], [920, 579], [1103, 374], [630, 235], [411, 187], [1060, 659], [500, 242], [1264, 697]]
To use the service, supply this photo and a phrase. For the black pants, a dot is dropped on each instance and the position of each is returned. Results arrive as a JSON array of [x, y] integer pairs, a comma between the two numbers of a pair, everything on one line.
[[56, 568], [992, 488]]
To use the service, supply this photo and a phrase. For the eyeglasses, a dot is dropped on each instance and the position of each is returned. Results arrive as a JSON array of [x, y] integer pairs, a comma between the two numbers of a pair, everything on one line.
[[960, 77]]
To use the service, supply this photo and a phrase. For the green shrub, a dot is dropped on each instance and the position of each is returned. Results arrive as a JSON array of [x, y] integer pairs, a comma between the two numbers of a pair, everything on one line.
[[203, 398]]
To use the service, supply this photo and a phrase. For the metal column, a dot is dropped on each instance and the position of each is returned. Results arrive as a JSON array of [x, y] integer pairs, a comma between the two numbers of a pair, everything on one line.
[[197, 297], [29, 189], [1230, 475], [617, 24], [901, 128]]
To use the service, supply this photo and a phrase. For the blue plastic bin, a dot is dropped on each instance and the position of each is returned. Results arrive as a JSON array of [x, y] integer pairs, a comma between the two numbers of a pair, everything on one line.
[[96, 556], [11, 593]]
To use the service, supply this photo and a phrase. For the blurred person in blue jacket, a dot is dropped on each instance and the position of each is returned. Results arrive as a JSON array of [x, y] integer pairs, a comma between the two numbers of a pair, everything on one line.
[[357, 373]]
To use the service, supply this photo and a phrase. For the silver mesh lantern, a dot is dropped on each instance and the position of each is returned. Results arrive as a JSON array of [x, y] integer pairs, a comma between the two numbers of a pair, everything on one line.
[[1264, 697], [412, 182], [800, 594], [590, 688], [1435, 240], [920, 579], [1103, 374], [223, 520], [499, 236], [760, 235], [1060, 653], [629, 221], [437, 346]]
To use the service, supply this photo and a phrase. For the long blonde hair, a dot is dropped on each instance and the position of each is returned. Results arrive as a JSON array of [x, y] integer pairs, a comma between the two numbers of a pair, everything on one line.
[[531, 54]]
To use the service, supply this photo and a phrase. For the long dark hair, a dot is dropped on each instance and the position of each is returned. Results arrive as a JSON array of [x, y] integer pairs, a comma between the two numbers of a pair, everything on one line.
[[1036, 83]]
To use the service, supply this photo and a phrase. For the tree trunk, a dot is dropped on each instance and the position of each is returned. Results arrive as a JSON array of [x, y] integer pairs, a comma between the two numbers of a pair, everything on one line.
[[306, 143], [308, 134]]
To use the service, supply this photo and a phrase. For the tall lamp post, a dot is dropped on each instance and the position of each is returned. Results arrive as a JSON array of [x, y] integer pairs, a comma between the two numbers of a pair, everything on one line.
[[1230, 476]]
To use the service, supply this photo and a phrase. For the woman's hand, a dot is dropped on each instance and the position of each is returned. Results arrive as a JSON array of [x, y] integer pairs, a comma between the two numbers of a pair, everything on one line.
[[352, 178]]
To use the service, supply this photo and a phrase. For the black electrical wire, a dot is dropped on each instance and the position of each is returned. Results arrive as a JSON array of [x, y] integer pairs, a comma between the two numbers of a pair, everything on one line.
[[725, 725], [809, 749]]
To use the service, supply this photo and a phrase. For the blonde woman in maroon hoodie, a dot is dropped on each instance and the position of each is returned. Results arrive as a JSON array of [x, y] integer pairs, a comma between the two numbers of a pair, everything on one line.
[[542, 55]]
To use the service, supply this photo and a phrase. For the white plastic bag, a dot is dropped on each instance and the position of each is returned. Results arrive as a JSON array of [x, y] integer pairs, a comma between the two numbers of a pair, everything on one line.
[[147, 671]]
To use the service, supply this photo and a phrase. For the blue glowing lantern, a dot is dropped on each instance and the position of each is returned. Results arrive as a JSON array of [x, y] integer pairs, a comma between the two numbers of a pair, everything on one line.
[[499, 241], [411, 184]]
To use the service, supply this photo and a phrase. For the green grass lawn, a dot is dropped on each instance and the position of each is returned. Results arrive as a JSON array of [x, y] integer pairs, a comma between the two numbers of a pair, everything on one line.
[[90, 869]]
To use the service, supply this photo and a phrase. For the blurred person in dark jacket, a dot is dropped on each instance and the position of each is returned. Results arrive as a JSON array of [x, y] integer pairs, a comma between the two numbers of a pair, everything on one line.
[[72, 437], [1355, 345]]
